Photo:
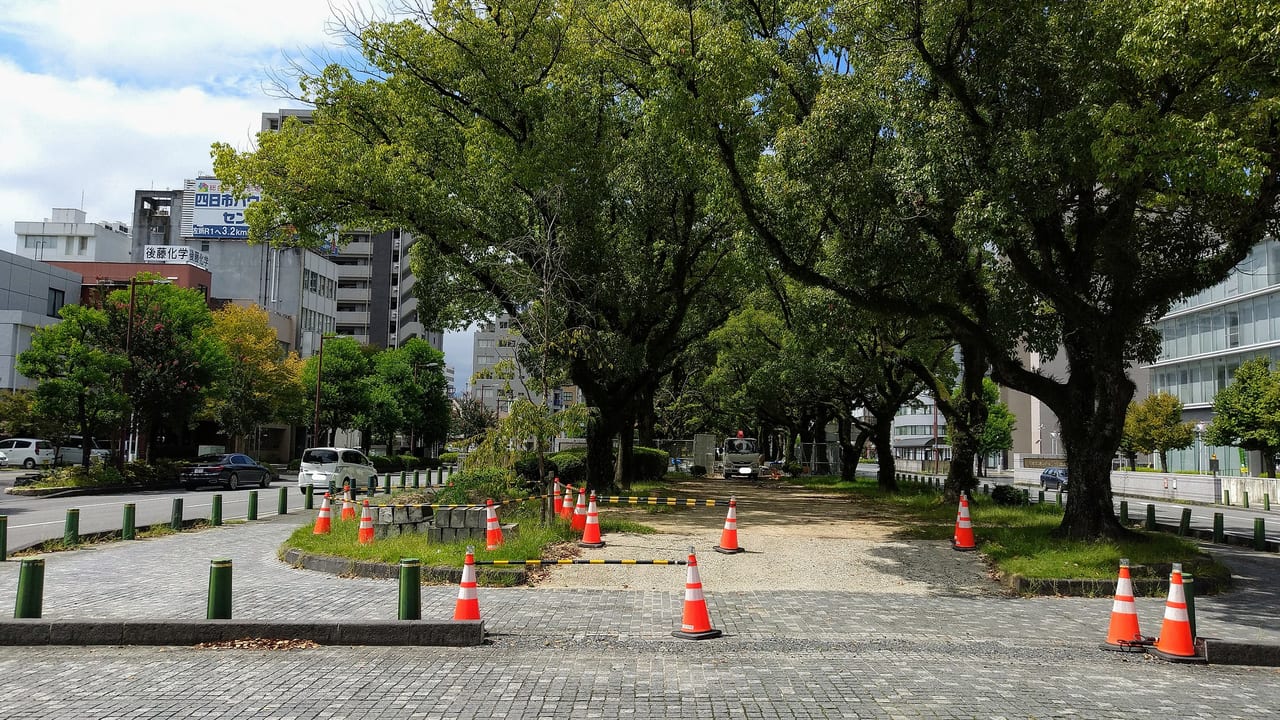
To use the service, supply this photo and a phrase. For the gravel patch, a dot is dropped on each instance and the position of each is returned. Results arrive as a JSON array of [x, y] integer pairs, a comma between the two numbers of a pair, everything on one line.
[[795, 538]]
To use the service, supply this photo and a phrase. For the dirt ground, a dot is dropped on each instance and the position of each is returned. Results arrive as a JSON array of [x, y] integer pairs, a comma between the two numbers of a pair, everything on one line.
[[795, 539]]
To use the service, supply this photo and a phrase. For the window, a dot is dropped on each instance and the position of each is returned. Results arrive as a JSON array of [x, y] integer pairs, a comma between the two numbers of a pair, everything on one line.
[[57, 298], [84, 246], [204, 246]]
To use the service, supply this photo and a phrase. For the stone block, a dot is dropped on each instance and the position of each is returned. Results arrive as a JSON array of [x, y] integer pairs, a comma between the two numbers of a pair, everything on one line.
[[444, 517], [393, 530], [458, 517], [380, 531], [402, 514], [385, 515], [477, 517], [435, 534]]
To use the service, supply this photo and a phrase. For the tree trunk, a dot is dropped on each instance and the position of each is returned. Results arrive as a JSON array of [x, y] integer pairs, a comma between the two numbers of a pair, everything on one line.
[[850, 450], [882, 439], [601, 430], [624, 468]]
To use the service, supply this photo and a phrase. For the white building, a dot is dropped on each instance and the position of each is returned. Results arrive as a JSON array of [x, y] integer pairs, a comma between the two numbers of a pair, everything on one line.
[[493, 343], [67, 237]]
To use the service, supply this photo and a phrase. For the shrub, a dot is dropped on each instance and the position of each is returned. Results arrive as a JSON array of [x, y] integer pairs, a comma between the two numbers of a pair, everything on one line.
[[159, 473], [571, 466], [526, 469], [649, 464], [792, 468], [473, 487], [384, 464], [449, 458], [430, 463], [295, 465], [96, 475], [1009, 495]]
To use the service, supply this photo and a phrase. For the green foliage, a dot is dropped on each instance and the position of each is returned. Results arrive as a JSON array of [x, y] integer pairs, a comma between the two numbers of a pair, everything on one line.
[[476, 486], [997, 432], [1155, 426], [571, 466], [93, 475], [157, 473], [261, 383], [384, 464], [449, 458], [1009, 495], [650, 464], [1246, 413]]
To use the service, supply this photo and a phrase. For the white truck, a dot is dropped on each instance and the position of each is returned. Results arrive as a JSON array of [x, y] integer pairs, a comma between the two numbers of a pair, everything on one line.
[[740, 458]]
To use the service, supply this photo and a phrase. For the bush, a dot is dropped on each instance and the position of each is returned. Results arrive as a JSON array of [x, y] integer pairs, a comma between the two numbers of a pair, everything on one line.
[[571, 466], [449, 458], [429, 463], [1009, 495], [96, 475], [384, 464], [526, 468], [649, 464], [159, 473], [793, 469], [295, 465], [473, 487]]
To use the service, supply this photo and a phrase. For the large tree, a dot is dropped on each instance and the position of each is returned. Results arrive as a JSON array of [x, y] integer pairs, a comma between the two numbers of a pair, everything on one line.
[[1041, 176], [261, 381], [502, 137], [1155, 426], [1246, 413]]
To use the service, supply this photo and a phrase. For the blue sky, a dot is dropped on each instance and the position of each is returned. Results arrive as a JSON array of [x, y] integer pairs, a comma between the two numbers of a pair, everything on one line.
[[104, 97]]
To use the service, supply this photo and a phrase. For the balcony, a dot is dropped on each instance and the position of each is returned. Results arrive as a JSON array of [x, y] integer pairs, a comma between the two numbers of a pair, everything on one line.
[[353, 294], [364, 249], [358, 318], [355, 272]]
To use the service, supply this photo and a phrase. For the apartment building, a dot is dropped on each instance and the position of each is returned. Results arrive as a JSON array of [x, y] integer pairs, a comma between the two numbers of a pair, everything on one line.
[[493, 343], [66, 236]]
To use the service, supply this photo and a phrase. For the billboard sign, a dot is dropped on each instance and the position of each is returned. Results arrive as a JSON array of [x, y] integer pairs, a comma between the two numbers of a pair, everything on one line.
[[175, 255], [214, 213]]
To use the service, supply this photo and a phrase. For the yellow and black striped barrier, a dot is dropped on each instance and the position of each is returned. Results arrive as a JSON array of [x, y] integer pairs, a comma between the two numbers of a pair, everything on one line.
[[580, 561], [610, 499]]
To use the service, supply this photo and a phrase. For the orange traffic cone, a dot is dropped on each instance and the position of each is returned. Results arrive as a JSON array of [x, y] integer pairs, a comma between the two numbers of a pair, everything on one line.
[[468, 606], [729, 538], [963, 539], [555, 497], [1175, 640], [566, 508], [591, 531], [579, 522], [1124, 633], [324, 519], [695, 624], [492, 530], [348, 505], [365, 534]]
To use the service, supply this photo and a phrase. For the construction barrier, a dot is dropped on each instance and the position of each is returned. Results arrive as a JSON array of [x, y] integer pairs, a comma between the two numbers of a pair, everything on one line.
[[578, 561]]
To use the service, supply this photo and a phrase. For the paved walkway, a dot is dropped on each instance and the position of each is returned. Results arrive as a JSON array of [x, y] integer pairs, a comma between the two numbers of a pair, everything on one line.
[[592, 653]]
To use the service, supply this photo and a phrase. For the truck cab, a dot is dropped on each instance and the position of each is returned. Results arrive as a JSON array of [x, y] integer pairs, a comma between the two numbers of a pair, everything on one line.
[[741, 458]]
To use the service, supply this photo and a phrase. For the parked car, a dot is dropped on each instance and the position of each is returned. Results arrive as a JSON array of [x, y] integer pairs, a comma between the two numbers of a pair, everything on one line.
[[72, 451], [27, 452], [234, 470], [1053, 478], [324, 465]]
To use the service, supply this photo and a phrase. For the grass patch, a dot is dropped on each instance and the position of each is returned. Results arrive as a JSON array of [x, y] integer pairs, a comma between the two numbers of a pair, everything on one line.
[[532, 540], [1019, 539]]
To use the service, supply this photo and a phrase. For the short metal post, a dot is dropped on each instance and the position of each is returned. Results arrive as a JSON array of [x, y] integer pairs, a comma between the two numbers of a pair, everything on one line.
[[1218, 535], [175, 520], [417, 478], [219, 589], [1184, 524], [1266, 501], [4, 538], [71, 527], [410, 589], [252, 514], [215, 513], [282, 505], [30, 589], [310, 502], [1245, 498], [386, 484], [1259, 534], [1124, 512], [402, 480], [1226, 498], [1189, 589], [1151, 516], [986, 489], [128, 531], [1058, 495]]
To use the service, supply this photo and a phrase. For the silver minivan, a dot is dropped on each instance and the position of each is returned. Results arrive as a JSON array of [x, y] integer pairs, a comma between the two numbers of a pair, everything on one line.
[[72, 451], [27, 452], [339, 466]]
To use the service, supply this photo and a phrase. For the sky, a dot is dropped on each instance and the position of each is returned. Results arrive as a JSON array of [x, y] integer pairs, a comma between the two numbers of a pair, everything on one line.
[[104, 97]]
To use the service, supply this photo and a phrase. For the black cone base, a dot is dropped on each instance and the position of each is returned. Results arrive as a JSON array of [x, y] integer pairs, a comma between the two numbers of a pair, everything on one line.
[[591, 545], [704, 635], [727, 551]]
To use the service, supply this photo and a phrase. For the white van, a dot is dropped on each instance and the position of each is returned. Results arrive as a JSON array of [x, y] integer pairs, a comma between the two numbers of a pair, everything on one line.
[[27, 452], [341, 466], [72, 451]]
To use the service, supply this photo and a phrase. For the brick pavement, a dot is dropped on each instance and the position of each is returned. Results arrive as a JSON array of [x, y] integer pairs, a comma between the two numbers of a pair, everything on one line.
[[592, 653]]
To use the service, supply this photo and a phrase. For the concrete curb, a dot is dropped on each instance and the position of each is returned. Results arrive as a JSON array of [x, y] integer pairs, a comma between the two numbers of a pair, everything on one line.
[[346, 567], [191, 632], [1221, 652], [1143, 587]]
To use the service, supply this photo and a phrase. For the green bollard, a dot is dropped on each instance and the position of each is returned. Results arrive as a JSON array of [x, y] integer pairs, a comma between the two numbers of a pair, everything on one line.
[[1058, 496], [282, 505], [30, 589], [417, 478], [410, 589], [1124, 512], [1266, 501], [1151, 517], [1218, 535], [1259, 534], [1184, 524], [986, 489], [310, 502], [4, 538], [373, 486], [1189, 589], [128, 531], [1041, 497], [1226, 498], [215, 513], [402, 480], [252, 514], [1244, 498], [71, 527], [175, 520], [386, 484], [219, 589]]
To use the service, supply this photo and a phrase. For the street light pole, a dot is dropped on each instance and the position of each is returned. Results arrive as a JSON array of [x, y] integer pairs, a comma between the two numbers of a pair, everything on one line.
[[1200, 439]]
